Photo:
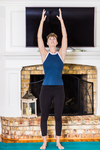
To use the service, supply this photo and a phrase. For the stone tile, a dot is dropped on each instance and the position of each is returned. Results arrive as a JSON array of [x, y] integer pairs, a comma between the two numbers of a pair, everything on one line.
[[6, 122], [92, 80], [16, 136], [29, 132], [87, 67], [3, 131], [11, 123], [96, 135], [38, 133], [9, 136], [38, 121], [35, 122], [36, 128], [69, 131], [91, 71], [94, 76], [30, 68], [27, 128], [66, 67], [73, 127], [19, 132], [25, 80], [89, 76], [26, 123], [92, 131], [52, 122], [51, 132], [16, 122], [4, 135], [14, 128], [34, 137], [64, 136], [86, 135], [13, 132], [25, 72], [76, 67], [96, 126], [21, 122], [3, 122], [51, 127], [39, 68], [81, 131], [3, 127], [81, 72], [8, 128], [64, 127], [31, 123], [73, 135], [36, 72], [70, 72], [27, 77], [51, 136], [96, 121], [86, 126]]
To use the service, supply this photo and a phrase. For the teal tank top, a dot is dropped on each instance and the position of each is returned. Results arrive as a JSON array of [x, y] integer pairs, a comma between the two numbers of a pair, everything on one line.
[[53, 66]]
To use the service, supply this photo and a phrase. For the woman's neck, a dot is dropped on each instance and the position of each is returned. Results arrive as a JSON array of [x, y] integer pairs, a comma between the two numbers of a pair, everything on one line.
[[52, 49]]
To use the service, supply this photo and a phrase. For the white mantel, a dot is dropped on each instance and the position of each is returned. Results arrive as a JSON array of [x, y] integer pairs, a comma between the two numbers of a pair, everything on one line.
[[14, 55]]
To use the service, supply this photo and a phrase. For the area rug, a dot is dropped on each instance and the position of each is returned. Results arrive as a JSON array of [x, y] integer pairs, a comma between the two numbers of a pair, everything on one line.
[[95, 145]]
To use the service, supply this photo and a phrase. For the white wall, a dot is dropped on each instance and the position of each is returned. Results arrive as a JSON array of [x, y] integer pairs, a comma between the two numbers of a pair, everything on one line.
[[2, 60]]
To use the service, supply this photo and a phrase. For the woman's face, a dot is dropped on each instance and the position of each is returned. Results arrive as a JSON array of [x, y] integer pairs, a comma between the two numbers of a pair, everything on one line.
[[52, 41]]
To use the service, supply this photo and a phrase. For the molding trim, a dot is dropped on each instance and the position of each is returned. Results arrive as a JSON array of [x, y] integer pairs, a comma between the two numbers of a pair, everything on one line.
[[6, 140]]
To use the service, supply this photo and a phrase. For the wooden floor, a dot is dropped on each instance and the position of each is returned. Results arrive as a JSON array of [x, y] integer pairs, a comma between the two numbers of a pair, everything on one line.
[[5, 140]]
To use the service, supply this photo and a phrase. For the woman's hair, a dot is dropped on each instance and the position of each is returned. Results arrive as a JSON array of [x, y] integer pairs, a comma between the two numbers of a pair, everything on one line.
[[51, 34]]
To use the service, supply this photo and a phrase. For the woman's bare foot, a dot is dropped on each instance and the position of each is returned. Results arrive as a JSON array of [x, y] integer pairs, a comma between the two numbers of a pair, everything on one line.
[[60, 146], [58, 142], [43, 146], [44, 142]]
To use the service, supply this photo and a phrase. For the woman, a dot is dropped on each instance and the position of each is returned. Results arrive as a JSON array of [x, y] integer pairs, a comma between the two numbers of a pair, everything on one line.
[[52, 86]]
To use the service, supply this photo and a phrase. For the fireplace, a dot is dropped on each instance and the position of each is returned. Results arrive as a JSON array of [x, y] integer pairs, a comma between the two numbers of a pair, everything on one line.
[[78, 93], [79, 85]]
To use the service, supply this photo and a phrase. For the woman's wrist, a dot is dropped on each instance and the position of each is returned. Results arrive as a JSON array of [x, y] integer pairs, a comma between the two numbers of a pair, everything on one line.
[[42, 20], [61, 20]]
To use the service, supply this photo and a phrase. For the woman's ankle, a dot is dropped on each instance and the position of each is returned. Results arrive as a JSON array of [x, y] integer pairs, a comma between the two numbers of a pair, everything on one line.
[[44, 139], [57, 139]]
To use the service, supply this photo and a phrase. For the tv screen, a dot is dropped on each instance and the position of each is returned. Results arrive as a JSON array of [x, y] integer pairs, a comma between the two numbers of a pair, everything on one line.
[[79, 23]]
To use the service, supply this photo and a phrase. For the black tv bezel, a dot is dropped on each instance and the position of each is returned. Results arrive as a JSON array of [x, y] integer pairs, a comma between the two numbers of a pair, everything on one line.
[[61, 8]]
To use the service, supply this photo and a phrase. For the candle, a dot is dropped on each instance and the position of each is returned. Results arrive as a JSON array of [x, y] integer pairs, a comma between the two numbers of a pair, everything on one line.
[[30, 111]]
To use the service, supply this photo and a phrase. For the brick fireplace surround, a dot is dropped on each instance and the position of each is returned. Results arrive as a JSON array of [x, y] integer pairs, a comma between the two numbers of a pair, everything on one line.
[[74, 128], [18, 62]]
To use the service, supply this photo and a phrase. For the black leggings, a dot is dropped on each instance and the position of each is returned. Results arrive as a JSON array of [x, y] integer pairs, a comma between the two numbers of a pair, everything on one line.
[[47, 93]]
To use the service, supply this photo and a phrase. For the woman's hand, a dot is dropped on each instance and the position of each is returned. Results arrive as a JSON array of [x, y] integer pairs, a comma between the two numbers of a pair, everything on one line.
[[60, 15], [43, 13]]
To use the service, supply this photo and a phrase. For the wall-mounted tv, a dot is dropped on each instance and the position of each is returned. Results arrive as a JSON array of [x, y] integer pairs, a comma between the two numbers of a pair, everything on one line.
[[79, 23]]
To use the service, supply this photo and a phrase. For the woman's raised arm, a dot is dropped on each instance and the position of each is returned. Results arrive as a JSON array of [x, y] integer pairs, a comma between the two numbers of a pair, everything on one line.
[[63, 48], [41, 46]]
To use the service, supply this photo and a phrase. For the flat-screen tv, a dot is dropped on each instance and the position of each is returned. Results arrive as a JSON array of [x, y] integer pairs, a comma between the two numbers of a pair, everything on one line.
[[79, 23]]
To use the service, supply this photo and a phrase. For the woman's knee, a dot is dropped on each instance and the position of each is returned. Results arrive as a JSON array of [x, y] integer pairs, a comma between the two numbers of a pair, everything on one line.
[[44, 117], [58, 118]]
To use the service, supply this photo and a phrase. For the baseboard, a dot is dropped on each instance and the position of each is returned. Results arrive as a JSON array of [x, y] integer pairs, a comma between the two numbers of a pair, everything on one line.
[[6, 140]]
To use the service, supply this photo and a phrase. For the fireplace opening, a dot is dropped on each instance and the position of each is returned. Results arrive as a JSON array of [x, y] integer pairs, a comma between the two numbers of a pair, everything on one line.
[[78, 94]]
